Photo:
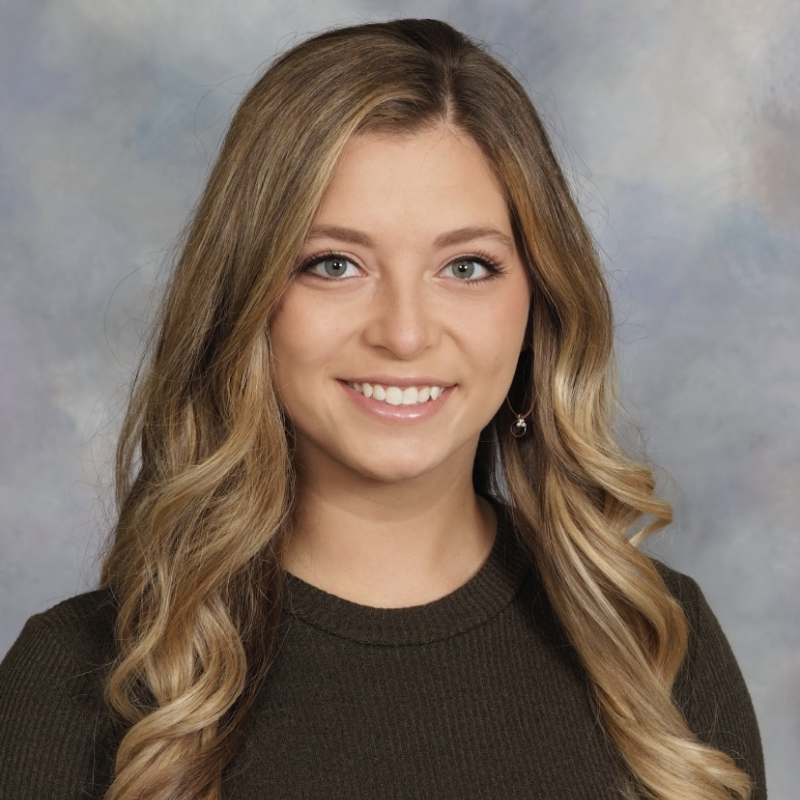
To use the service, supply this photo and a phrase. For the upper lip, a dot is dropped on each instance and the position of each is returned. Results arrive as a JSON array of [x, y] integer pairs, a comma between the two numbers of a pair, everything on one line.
[[403, 383]]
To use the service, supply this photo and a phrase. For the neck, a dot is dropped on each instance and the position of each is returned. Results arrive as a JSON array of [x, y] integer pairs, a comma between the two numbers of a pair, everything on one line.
[[389, 545]]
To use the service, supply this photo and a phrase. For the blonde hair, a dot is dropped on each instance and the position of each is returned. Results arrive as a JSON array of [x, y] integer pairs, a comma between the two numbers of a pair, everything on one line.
[[204, 470]]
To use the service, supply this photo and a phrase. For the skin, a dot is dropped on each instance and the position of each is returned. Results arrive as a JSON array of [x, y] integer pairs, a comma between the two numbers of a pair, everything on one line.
[[387, 514]]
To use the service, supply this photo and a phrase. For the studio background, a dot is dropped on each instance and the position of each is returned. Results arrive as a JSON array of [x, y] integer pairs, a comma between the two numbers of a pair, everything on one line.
[[679, 125]]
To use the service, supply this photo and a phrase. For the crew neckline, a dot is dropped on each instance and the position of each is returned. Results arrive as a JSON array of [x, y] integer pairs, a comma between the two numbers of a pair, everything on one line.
[[482, 597]]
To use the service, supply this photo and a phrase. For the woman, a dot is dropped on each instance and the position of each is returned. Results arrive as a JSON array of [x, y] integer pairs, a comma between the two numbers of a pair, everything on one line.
[[374, 530]]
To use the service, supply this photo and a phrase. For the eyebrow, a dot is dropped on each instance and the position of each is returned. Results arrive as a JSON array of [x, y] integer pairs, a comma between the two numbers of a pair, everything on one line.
[[448, 239]]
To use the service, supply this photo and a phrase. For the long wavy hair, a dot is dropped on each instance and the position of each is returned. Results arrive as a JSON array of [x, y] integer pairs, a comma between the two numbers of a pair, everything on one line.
[[204, 467]]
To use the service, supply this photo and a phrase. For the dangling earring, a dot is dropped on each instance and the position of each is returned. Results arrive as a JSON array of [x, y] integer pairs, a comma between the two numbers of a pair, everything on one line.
[[520, 427]]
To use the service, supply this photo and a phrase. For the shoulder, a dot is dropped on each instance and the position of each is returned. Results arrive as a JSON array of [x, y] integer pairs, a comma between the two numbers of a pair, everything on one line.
[[55, 728], [709, 688], [700, 618], [85, 620], [708, 649], [678, 584], [78, 632], [686, 591]]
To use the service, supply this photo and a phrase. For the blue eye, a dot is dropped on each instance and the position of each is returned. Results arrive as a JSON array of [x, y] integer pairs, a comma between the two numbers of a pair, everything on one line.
[[334, 267], [468, 269]]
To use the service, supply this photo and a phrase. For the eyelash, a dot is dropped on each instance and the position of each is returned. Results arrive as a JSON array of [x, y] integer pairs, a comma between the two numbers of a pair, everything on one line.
[[312, 261], [485, 260], [493, 268]]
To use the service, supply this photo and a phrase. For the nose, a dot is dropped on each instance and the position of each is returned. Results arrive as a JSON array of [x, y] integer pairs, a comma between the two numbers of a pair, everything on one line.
[[402, 319]]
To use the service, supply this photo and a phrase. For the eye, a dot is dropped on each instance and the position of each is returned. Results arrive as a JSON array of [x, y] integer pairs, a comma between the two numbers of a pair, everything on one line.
[[333, 266], [470, 268]]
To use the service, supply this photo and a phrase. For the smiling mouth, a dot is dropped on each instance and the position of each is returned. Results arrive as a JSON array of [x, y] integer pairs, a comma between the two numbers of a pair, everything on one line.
[[396, 395]]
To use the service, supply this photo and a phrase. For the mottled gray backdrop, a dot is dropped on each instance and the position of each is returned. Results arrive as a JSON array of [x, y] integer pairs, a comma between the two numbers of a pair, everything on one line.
[[679, 124]]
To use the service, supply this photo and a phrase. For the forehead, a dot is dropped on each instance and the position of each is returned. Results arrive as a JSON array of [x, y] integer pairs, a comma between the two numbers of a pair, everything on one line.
[[438, 172]]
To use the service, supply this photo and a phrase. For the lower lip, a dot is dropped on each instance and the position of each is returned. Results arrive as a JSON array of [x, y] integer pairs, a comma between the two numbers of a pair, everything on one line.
[[385, 411]]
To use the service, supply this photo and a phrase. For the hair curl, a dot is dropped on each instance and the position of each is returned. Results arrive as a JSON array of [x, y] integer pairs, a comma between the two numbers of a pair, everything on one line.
[[204, 471]]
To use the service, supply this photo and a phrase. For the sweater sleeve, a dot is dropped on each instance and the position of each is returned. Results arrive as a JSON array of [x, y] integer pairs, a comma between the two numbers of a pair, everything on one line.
[[55, 731], [710, 689]]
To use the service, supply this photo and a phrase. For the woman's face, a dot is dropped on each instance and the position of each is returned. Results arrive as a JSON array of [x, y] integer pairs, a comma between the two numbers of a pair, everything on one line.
[[396, 342]]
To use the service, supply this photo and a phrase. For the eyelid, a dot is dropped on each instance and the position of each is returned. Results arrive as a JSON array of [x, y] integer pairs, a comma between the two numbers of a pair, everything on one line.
[[489, 263], [307, 264]]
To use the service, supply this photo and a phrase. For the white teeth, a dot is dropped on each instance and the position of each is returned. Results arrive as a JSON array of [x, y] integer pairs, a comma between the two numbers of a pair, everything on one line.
[[409, 396], [395, 396]]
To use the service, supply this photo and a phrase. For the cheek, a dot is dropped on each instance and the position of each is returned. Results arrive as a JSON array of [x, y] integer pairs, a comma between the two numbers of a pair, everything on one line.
[[305, 336], [291, 331], [508, 324], [290, 345]]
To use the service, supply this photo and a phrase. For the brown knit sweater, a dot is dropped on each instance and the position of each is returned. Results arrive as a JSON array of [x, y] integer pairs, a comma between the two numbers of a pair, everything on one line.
[[475, 695]]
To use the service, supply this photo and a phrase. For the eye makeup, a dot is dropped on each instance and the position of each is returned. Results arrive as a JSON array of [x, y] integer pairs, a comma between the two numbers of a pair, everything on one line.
[[340, 263]]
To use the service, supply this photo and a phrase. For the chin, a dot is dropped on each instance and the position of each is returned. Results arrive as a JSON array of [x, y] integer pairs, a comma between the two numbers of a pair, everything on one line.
[[395, 469], [386, 460], [393, 473]]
